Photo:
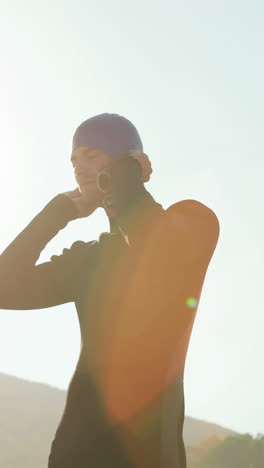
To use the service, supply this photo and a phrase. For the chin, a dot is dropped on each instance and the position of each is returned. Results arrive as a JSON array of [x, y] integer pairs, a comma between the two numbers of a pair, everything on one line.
[[91, 194]]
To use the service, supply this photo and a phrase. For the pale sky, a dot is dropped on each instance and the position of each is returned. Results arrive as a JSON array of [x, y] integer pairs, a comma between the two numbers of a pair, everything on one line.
[[190, 76]]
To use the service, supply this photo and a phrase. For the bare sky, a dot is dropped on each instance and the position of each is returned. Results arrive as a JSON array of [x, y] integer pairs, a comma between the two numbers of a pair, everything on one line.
[[190, 76]]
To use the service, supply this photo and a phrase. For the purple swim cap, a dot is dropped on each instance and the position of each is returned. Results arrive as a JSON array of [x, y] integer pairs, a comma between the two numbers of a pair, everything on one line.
[[110, 133]]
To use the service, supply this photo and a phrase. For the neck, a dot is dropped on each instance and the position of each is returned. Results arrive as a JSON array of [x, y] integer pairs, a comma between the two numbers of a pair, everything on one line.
[[136, 217]]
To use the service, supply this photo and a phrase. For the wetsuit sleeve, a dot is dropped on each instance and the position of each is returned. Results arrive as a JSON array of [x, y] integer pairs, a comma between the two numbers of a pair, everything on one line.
[[25, 285], [193, 232], [191, 235]]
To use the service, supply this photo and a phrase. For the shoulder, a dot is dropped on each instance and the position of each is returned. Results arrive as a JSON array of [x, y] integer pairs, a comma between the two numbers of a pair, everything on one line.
[[188, 213], [81, 247], [105, 238], [193, 225], [82, 244], [76, 251], [192, 208]]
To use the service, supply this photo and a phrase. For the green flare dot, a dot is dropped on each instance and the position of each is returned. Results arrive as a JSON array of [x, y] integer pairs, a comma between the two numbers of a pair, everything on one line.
[[191, 302]]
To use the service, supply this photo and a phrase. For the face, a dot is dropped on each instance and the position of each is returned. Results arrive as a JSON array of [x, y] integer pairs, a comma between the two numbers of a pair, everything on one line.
[[87, 162]]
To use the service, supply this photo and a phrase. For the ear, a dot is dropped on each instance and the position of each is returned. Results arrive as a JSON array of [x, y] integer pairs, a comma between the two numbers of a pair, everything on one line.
[[144, 161]]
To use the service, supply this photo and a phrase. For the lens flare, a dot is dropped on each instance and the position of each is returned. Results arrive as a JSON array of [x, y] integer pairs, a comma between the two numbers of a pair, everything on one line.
[[191, 302]]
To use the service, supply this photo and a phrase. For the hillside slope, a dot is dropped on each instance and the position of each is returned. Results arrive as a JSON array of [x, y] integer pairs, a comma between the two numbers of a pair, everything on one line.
[[30, 414]]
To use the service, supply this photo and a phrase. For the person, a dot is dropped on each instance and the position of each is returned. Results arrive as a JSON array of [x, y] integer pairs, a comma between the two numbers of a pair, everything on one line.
[[136, 291]]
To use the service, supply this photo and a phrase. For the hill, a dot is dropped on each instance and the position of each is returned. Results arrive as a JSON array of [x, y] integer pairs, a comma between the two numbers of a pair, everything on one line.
[[30, 414]]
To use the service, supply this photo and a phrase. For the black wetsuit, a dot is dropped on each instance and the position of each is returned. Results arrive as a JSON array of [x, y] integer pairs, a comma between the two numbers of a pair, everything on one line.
[[125, 401]]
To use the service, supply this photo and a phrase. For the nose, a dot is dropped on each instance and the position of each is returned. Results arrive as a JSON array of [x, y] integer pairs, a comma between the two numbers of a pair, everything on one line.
[[79, 172], [80, 168]]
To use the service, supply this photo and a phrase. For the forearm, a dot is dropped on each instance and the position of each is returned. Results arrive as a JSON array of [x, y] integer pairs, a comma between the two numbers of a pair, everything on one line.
[[23, 252]]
